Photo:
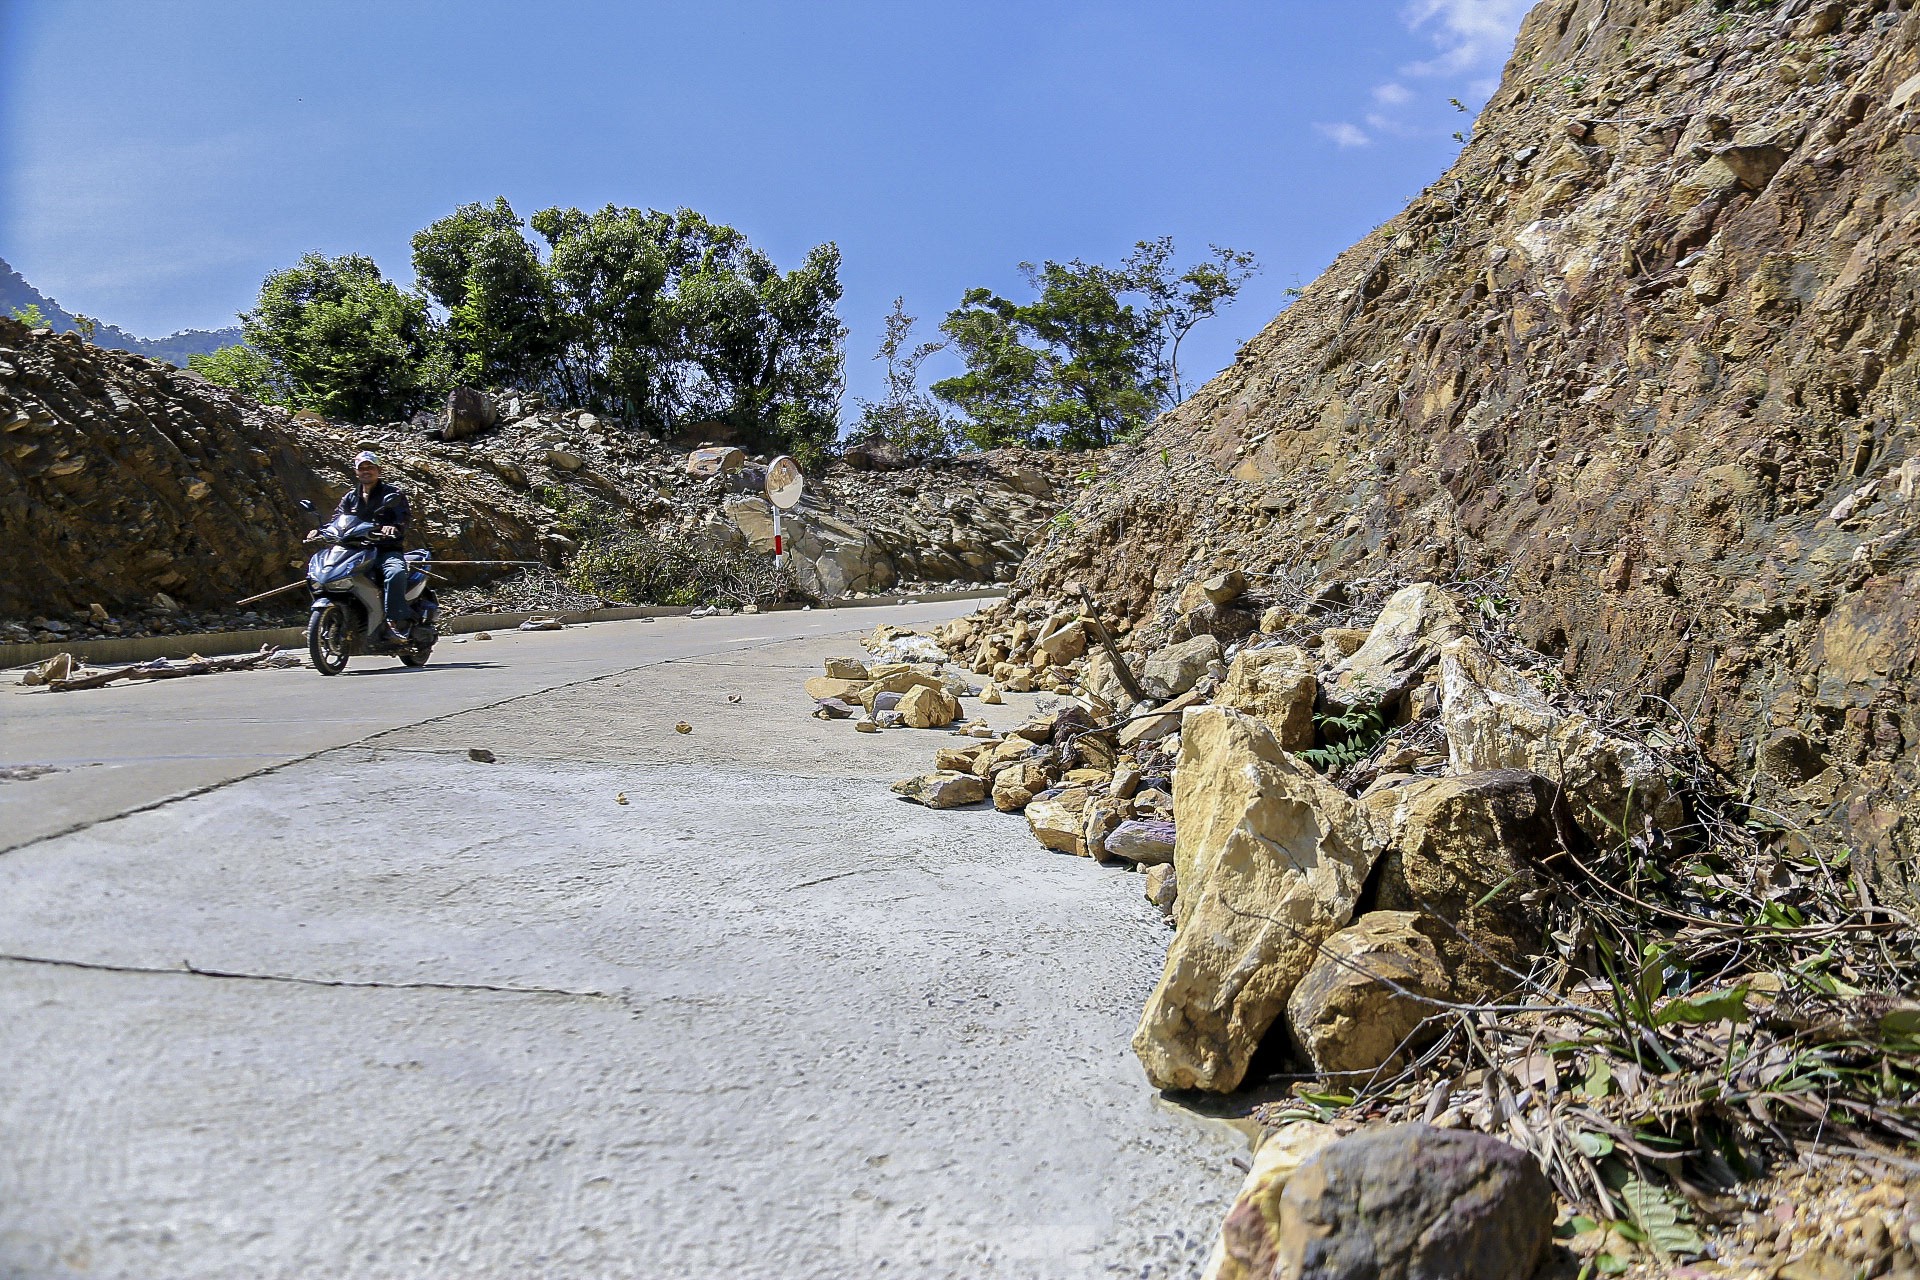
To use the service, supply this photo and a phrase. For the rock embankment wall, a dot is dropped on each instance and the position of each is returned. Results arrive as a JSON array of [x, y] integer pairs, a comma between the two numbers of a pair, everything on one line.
[[1643, 359], [123, 479]]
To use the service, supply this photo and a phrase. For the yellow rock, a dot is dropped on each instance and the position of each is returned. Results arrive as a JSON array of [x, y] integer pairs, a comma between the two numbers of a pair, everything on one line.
[[991, 695], [846, 669], [1358, 1009], [1014, 786], [1249, 1236], [961, 759], [834, 687], [1060, 646], [1276, 685], [1270, 859], [901, 682], [1058, 821], [928, 708]]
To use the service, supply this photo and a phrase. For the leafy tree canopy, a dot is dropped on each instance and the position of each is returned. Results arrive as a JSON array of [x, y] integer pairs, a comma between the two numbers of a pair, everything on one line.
[[1093, 356], [341, 339], [668, 320], [242, 368]]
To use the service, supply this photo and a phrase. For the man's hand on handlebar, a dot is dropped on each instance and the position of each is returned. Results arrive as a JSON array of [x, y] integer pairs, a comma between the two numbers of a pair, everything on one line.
[[313, 535]]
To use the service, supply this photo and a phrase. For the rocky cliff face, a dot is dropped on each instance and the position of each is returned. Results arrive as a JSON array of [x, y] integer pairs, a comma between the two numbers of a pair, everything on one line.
[[122, 477], [1643, 359]]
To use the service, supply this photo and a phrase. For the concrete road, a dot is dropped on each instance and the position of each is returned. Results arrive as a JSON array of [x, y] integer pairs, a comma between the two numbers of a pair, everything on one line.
[[300, 990]]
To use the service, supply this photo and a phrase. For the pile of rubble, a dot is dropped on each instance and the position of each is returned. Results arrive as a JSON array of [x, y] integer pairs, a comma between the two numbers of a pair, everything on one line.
[[141, 499], [1405, 862], [1645, 349]]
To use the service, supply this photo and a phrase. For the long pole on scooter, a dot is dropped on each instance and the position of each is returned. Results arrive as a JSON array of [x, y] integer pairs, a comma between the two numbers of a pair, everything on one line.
[[291, 586]]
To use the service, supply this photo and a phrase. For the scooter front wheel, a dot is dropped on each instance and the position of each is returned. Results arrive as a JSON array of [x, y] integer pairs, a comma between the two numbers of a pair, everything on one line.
[[327, 640]]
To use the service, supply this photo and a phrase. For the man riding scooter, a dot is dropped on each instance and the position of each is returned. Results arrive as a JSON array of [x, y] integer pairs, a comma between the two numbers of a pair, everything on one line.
[[377, 502]]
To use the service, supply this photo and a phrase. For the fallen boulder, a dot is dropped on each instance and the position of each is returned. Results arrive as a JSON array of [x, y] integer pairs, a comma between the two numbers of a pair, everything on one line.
[[1225, 588], [1175, 669], [1249, 1238], [1146, 842], [942, 790], [962, 759], [1163, 888], [898, 683], [469, 412], [715, 460], [1360, 1007], [925, 708], [1406, 639], [1270, 860], [1015, 787], [1411, 1202], [822, 687], [1495, 718], [1057, 819], [1277, 685], [1098, 821], [1468, 850]]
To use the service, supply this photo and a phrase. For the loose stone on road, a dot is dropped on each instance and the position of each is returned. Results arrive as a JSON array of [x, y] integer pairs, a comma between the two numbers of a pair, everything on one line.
[[452, 1018]]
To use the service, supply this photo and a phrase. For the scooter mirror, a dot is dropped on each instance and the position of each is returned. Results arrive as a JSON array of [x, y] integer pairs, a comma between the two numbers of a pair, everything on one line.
[[306, 504]]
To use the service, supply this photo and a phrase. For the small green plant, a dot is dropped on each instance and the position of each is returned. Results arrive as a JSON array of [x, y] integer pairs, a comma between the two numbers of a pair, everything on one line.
[[1062, 520], [30, 316], [1348, 738], [1493, 607]]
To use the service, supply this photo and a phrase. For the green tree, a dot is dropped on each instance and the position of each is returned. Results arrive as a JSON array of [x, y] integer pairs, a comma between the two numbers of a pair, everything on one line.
[[675, 320], [609, 270], [30, 316], [243, 369], [503, 316], [907, 418], [342, 340], [1093, 356], [1075, 367], [1178, 302]]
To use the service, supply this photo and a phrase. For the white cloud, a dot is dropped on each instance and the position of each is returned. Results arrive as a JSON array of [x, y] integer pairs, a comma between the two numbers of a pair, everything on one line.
[[1470, 34], [1471, 40], [1344, 134]]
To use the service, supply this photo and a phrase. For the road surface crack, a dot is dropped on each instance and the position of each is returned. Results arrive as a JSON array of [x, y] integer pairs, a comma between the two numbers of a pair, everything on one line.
[[187, 968]]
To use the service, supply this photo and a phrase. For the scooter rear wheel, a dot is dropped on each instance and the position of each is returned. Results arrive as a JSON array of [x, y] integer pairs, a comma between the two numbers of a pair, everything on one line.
[[327, 640]]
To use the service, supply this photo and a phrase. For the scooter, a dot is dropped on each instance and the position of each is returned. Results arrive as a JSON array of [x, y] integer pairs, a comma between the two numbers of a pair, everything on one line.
[[349, 616]]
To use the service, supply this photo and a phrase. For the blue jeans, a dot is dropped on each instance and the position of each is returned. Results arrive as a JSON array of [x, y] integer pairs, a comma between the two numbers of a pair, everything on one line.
[[392, 568]]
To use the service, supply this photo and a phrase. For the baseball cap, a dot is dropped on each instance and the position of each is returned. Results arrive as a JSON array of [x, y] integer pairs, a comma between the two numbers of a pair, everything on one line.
[[364, 456]]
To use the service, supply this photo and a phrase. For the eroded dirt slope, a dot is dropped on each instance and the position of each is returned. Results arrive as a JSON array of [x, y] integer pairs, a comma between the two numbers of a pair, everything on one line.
[[122, 478], [1645, 353]]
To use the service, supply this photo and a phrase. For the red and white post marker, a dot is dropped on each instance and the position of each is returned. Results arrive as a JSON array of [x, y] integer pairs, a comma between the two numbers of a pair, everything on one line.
[[785, 484]]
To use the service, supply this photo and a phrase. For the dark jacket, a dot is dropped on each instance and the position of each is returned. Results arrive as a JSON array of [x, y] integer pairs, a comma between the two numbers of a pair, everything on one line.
[[385, 505]]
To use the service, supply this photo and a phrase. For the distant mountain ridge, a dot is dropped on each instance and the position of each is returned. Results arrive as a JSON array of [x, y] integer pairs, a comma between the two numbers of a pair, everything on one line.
[[17, 294]]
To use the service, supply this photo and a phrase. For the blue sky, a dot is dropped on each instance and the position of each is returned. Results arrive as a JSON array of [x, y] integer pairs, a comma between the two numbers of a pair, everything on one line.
[[158, 159]]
